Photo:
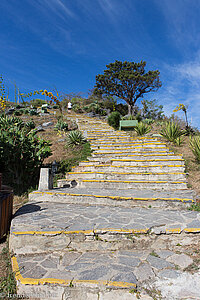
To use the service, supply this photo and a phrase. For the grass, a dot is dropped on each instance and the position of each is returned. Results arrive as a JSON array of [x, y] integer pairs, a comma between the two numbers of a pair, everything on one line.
[[153, 253], [195, 207], [7, 279], [77, 154]]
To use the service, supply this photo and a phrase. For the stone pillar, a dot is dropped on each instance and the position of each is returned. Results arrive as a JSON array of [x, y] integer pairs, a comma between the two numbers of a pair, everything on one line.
[[46, 179]]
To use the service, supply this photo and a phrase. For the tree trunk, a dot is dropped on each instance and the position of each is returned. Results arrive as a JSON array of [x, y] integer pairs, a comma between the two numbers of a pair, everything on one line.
[[130, 109]]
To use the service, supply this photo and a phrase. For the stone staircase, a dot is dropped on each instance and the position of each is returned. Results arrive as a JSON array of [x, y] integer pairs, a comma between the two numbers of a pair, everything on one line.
[[116, 228]]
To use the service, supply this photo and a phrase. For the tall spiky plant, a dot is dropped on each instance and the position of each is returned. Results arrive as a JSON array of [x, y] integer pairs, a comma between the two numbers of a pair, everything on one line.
[[172, 132], [75, 138], [142, 128], [195, 146]]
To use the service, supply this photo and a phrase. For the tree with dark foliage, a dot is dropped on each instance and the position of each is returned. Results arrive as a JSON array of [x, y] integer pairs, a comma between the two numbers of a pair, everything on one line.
[[128, 81]]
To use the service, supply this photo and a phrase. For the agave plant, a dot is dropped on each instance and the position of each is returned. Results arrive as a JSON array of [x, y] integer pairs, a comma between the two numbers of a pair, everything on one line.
[[75, 138], [30, 125], [61, 125], [142, 128], [195, 146], [172, 132]]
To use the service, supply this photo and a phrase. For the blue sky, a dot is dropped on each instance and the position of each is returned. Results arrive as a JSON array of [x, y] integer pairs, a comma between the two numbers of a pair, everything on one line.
[[66, 43]]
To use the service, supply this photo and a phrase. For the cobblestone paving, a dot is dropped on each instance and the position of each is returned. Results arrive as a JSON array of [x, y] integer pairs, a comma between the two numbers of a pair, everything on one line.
[[111, 266], [57, 216]]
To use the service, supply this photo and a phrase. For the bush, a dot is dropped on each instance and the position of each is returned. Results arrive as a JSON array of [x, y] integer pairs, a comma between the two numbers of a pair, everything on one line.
[[151, 110], [113, 119], [142, 128], [79, 153], [61, 125], [21, 153], [195, 146], [33, 112], [172, 132], [37, 102], [75, 138]]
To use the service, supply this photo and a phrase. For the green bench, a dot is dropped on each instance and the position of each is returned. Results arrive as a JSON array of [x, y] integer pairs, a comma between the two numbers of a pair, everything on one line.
[[127, 124]]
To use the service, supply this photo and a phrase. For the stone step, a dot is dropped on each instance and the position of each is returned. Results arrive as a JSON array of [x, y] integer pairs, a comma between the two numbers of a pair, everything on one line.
[[130, 151], [135, 162], [106, 132], [107, 157], [132, 184], [138, 169], [173, 176], [63, 220], [126, 144], [164, 199], [118, 198], [126, 140], [140, 162]]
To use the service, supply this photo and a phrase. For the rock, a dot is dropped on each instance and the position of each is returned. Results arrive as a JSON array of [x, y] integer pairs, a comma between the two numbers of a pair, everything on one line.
[[164, 253], [182, 260], [47, 124], [158, 263], [144, 272], [169, 273], [125, 277], [129, 261], [39, 128]]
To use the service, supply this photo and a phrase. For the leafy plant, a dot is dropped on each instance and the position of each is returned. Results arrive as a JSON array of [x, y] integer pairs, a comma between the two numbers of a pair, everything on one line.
[[195, 146], [142, 128], [7, 281], [78, 153], [195, 207], [151, 110], [172, 132], [113, 119], [33, 112], [61, 125], [148, 121], [21, 153], [75, 138], [30, 125], [178, 141]]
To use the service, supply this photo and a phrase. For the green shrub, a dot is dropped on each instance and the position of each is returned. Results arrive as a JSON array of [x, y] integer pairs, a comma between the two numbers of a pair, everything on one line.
[[148, 121], [195, 146], [75, 138], [17, 113], [79, 153], [33, 112], [30, 125], [37, 102], [151, 110], [21, 153], [55, 106], [113, 119], [142, 128], [61, 125], [172, 132]]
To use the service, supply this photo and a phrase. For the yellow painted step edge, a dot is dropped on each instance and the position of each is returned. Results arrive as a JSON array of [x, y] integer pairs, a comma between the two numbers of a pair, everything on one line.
[[128, 173], [116, 197], [139, 231], [152, 166], [132, 181], [34, 281], [170, 159], [159, 154]]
